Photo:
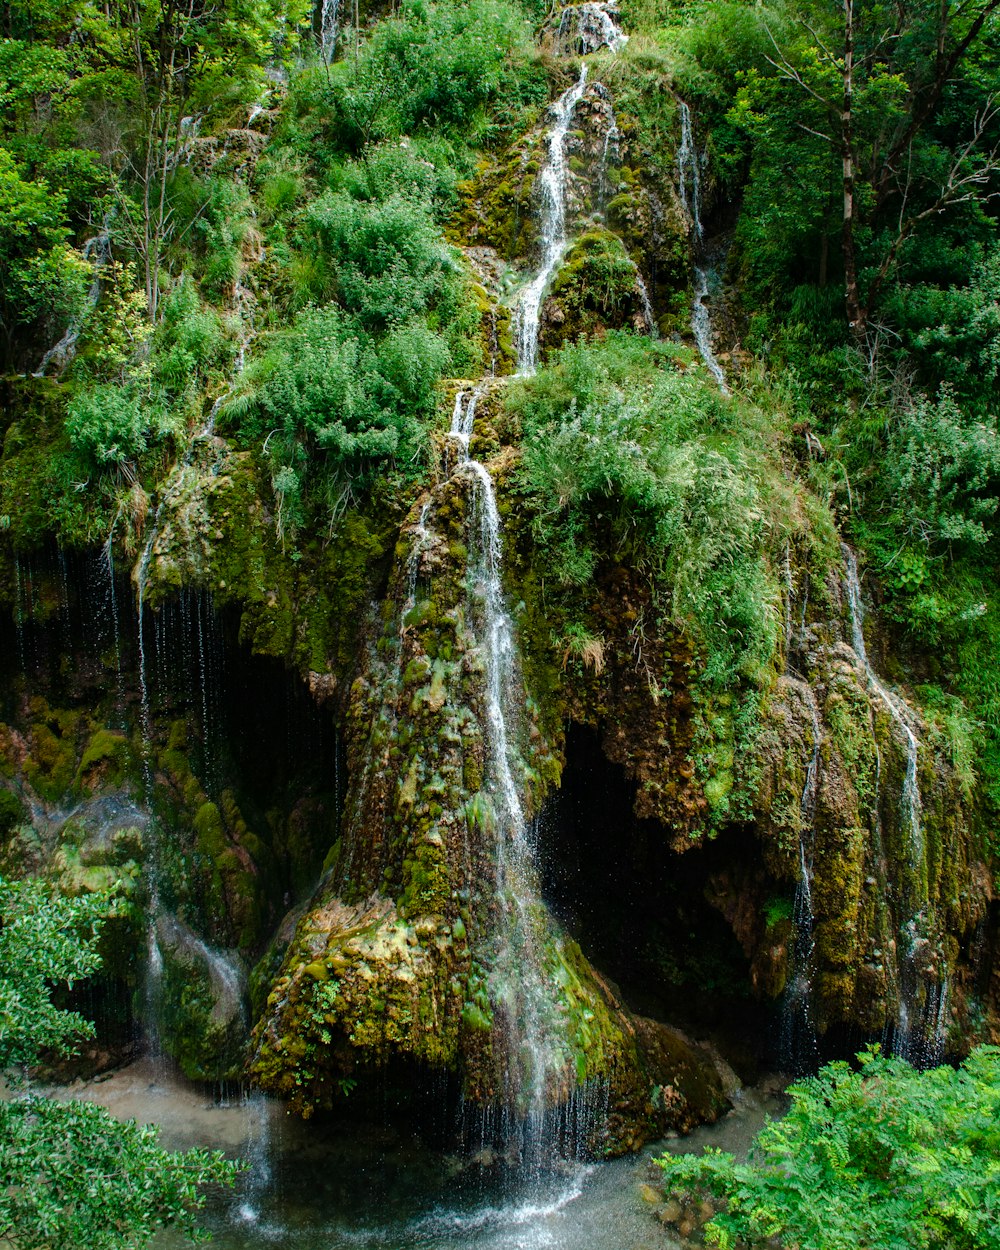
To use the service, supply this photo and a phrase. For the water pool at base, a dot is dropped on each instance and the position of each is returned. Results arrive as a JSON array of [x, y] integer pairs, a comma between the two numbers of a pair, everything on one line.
[[376, 1186]]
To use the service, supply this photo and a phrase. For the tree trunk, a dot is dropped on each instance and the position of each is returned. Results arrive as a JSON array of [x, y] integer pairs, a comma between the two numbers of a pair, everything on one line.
[[856, 314]]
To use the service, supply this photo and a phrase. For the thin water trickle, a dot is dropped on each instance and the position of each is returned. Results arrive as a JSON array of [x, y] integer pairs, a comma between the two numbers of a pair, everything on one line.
[[689, 189], [920, 1032]]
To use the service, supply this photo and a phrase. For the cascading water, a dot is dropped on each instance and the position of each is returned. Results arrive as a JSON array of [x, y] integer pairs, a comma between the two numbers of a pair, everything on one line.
[[586, 28], [689, 189], [552, 228], [518, 978], [798, 1042], [328, 29], [920, 1030]]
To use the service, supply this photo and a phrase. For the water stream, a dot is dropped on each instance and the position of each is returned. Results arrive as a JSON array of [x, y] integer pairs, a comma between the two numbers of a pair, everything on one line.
[[689, 189], [518, 976], [586, 28], [551, 228], [920, 1026], [328, 29]]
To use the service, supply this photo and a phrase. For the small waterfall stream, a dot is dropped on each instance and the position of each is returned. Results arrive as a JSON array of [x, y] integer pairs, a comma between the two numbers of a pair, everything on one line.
[[552, 228], [518, 977], [689, 189], [586, 28], [328, 29], [921, 1029]]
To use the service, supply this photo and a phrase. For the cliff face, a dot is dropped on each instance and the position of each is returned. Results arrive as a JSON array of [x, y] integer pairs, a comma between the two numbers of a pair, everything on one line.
[[326, 769]]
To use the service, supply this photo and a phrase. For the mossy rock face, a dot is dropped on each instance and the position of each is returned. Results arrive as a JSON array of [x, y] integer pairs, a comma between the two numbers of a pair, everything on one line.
[[215, 530], [199, 1005], [596, 289], [892, 905], [401, 954]]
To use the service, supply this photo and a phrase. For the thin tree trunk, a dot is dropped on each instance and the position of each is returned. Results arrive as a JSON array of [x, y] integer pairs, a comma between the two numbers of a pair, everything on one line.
[[856, 315]]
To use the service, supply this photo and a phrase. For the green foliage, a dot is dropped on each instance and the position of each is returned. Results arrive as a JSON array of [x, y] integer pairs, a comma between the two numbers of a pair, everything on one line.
[[74, 1176], [41, 277], [45, 940], [430, 66], [946, 468], [624, 453], [885, 1157]]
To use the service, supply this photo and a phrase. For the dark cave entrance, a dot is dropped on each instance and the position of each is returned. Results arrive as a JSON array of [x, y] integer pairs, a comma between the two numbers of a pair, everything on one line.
[[640, 910]]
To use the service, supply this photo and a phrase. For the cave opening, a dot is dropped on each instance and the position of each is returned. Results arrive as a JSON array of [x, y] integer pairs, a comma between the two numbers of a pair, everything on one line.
[[641, 911]]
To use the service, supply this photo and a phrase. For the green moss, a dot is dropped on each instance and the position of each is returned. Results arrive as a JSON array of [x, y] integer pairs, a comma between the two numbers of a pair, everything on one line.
[[107, 761]]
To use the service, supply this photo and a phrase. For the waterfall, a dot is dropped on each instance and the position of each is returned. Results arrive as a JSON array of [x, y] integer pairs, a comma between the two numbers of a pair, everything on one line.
[[798, 1042], [689, 189], [586, 28], [328, 28], [518, 977], [920, 1031], [96, 250], [647, 308], [898, 710], [689, 174], [552, 228]]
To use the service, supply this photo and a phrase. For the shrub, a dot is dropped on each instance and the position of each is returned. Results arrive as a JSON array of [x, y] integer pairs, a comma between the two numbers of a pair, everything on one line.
[[886, 1158]]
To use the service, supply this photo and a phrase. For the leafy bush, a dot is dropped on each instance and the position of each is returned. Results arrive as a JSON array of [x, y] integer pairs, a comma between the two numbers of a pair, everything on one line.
[[72, 1174], [886, 1158], [944, 469], [111, 422], [431, 65], [614, 438]]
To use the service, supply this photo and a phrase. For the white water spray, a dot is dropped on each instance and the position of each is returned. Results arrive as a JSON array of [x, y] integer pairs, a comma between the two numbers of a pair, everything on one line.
[[586, 28], [328, 29], [517, 978]]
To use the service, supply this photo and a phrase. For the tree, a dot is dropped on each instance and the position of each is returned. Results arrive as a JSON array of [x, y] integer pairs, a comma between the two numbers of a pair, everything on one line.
[[885, 1158], [72, 1175], [871, 85]]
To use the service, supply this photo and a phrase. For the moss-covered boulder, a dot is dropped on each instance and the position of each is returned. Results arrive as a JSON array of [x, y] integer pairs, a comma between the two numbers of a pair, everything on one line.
[[198, 1003]]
